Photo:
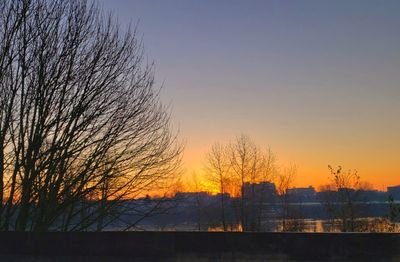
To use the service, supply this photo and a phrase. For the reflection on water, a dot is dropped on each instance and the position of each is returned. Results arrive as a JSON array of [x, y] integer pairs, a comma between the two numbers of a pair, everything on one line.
[[319, 225], [234, 228], [279, 225]]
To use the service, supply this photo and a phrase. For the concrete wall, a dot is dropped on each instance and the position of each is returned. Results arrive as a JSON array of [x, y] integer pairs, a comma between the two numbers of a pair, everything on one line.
[[198, 246]]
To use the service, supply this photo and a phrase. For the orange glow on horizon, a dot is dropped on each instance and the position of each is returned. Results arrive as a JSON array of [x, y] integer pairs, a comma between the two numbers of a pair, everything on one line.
[[310, 172]]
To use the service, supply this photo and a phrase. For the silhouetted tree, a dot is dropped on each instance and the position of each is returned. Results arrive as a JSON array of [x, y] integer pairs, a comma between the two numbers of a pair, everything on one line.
[[251, 166], [291, 216], [217, 169], [340, 198], [243, 170], [267, 173], [242, 158], [81, 124]]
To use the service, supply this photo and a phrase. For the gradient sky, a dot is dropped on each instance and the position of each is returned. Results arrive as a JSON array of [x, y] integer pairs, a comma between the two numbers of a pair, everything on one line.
[[318, 81]]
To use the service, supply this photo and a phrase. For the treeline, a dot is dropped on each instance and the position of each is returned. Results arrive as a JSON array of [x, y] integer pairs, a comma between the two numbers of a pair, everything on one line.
[[201, 211], [252, 175]]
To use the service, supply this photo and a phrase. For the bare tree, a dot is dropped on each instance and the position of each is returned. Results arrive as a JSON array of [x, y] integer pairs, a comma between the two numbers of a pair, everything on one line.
[[242, 153], [217, 169], [250, 167], [262, 173], [266, 173], [81, 124], [285, 181], [245, 171], [340, 198]]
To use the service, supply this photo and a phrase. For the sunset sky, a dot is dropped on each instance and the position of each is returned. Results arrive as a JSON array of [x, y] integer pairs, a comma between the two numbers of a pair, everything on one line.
[[317, 81]]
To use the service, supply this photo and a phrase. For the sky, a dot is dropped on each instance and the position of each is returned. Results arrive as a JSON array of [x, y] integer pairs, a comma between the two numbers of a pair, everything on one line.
[[317, 81]]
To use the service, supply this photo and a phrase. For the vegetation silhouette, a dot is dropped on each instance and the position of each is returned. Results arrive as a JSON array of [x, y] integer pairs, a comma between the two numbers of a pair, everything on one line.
[[81, 124]]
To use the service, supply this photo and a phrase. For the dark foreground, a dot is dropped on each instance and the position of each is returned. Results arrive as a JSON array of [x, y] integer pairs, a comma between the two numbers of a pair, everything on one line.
[[198, 246]]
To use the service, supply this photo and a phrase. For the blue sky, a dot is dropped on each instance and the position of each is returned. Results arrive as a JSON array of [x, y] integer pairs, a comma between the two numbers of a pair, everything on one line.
[[318, 81]]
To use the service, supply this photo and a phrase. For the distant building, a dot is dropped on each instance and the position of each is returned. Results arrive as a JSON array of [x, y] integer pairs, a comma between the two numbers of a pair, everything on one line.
[[266, 190], [394, 191], [302, 194], [192, 196], [225, 195], [373, 195]]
